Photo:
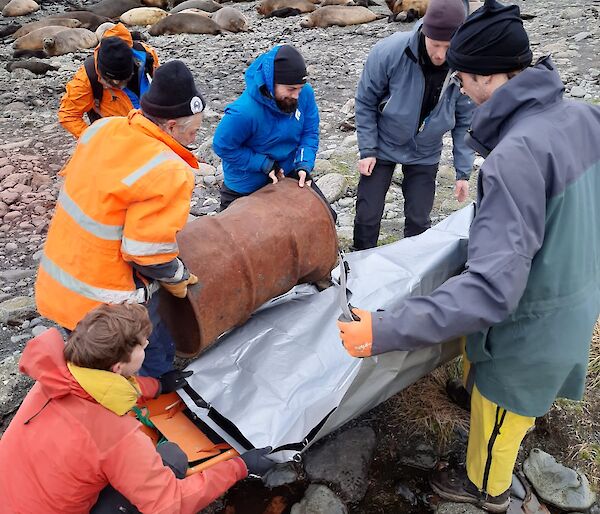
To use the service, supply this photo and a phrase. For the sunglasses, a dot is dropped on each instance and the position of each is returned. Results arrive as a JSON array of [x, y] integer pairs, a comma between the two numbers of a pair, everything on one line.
[[455, 79]]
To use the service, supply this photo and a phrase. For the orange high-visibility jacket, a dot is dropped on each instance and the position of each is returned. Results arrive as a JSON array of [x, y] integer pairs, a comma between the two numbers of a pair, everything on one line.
[[79, 98], [73, 446], [126, 195]]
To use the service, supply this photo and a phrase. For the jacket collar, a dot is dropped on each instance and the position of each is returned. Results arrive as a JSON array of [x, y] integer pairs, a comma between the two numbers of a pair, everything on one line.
[[44, 361], [138, 120], [531, 91], [114, 392], [412, 48]]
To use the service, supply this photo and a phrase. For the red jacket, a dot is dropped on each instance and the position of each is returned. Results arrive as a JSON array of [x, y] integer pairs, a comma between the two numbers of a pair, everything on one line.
[[63, 447]]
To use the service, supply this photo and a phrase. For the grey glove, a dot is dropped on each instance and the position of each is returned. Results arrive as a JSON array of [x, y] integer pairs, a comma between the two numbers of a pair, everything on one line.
[[256, 461]]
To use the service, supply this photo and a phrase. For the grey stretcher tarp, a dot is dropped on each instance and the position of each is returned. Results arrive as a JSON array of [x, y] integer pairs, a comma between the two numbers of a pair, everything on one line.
[[285, 370]]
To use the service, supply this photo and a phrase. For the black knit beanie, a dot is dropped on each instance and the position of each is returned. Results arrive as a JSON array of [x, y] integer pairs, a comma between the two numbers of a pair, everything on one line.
[[115, 59], [492, 40], [442, 19], [172, 93], [289, 66]]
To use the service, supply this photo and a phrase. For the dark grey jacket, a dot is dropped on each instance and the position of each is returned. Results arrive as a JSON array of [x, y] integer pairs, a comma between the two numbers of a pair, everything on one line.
[[388, 105], [530, 295]]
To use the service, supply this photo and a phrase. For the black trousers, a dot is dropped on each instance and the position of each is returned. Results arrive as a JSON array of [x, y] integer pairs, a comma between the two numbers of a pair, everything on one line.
[[112, 501], [229, 195], [418, 188]]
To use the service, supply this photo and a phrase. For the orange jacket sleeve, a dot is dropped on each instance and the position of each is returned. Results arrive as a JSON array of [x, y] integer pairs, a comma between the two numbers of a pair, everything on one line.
[[77, 100], [162, 209], [136, 470], [154, 55]]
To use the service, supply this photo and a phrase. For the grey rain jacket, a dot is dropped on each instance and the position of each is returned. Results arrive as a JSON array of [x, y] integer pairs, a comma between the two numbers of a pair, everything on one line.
[[388, 105]]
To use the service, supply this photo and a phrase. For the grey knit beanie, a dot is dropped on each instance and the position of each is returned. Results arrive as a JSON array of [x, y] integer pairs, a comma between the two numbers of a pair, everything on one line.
[[442, 19]]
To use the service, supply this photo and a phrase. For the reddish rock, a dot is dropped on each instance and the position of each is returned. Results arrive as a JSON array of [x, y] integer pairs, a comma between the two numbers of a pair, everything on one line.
[[16, 178], [6, 170], [11, 216], [38, 180], [9, 197]]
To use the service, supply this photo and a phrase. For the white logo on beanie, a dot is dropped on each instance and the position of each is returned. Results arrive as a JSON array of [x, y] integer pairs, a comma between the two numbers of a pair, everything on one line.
[[196, 105]]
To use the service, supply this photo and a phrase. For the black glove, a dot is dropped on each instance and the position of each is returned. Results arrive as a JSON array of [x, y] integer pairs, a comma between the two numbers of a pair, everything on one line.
[[257, 462], [294, 174], [173, 380]]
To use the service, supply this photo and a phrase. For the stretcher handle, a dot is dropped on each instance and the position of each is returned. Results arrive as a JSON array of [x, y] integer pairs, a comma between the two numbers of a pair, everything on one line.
[[229, 454]]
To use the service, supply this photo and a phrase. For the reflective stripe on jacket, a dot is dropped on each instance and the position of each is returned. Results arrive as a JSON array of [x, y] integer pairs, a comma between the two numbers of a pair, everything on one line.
[[63, 447], [79, 97], [126, 195]]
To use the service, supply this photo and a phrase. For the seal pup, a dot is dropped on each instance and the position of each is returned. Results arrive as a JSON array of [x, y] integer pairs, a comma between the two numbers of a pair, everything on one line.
[[37, 67], [406, 10], [231, 20], [88, 19], [9, 30], [70, 40], [70, 23], [203, 5], [185, 23], [284, 8], [35, 39], [339, 15], [143, 16], [114, 8]]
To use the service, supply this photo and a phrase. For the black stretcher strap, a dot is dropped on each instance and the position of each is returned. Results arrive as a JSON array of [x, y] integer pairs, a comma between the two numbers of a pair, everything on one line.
[[218, 418]]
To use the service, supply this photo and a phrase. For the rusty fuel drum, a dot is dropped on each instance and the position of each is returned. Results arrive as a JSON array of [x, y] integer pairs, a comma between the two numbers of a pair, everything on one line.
[[261, 246]]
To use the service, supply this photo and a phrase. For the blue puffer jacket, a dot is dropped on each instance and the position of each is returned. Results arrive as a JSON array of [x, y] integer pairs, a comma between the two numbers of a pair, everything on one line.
[[254, 132]]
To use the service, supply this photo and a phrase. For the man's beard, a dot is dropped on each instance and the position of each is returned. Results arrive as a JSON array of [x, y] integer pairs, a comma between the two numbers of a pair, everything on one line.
[[287, 105]]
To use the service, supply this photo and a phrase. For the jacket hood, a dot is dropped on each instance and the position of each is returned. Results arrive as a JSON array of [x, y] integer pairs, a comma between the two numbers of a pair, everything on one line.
[[260, 73], [120, 31], [44, 361], [533, 90]]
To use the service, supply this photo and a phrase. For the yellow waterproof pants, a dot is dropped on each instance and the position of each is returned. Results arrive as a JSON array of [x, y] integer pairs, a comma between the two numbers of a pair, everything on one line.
[[494, 441]]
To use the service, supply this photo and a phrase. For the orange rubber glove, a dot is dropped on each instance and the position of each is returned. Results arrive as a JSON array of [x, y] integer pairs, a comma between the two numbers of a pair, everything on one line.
[[357, 336], [179, 289]]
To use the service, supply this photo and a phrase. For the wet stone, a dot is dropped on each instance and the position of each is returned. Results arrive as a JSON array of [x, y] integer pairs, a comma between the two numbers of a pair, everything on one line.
[[344, 462], [563, 487], [319, 500]]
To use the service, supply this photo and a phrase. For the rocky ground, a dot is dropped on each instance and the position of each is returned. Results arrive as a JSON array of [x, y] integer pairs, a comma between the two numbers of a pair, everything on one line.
[[33, 148]]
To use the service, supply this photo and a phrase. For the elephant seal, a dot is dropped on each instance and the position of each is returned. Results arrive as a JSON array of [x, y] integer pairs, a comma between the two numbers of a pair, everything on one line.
[[37, 67], [187, 23], [284, 8], [103, 28], [70, 40], [203, 5], [143, 16], [196, 11], [406, 10], [88, 20], [363, 3], [70, 23], [19, 8], [114, 8], [338, 15], [161, 4], [35, 39], [231, 20]]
